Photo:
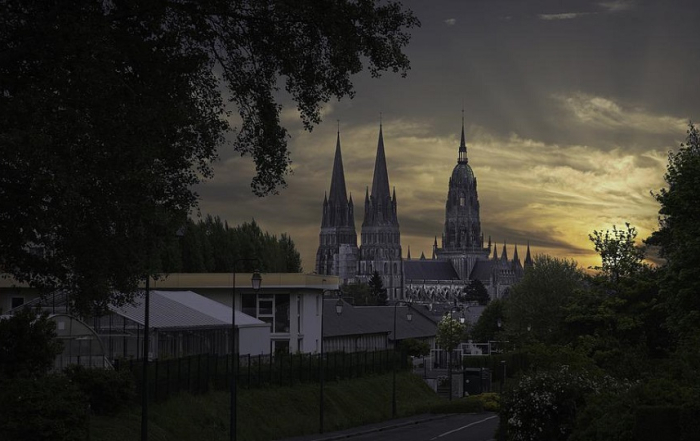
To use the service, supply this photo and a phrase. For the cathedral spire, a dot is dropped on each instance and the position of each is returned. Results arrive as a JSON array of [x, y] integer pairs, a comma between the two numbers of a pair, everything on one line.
[[504, 253], [408, 257], [463, 145], [528, 259], [380, 181], [495, 251], [338, 191], [515, 254]]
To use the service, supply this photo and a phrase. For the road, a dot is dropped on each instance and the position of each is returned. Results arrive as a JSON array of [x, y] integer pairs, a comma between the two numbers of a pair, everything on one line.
[[427, 427], [464, 427]]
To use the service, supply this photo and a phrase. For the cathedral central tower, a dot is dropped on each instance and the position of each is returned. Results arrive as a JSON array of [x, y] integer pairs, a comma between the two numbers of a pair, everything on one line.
[[462, 239]]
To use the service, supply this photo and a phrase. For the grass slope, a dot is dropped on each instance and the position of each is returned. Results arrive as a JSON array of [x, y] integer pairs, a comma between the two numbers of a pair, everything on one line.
[[273, 413]]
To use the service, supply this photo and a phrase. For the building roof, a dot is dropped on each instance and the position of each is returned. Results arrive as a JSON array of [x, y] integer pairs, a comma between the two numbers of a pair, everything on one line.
[[429, 270], [482, 270], [184, 309], [358, 320], [225, 280]]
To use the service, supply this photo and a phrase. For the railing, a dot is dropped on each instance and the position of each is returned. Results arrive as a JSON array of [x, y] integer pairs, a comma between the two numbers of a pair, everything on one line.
[[203, 372]]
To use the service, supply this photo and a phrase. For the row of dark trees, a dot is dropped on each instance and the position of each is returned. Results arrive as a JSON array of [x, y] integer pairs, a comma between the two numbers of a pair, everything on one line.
[[616, 352], [211, 246]]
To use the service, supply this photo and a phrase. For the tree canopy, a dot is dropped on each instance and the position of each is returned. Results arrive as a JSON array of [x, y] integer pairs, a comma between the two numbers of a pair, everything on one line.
[[110, 112], [377, 290], [537, 301], [678, 236], [211, 246]]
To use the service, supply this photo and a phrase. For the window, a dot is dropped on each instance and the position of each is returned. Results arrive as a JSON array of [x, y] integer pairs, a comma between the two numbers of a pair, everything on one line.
[[282, 314], [248, 305]]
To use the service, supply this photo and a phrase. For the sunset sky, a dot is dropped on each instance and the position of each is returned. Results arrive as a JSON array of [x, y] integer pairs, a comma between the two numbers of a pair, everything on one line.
[[570, 109]]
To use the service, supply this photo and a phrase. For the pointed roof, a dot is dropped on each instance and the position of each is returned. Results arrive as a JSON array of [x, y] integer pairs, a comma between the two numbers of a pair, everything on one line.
[[495, 251], [422, 256], [462, 145], [515, 254], [380, 181], [338, 190], [408, 257], [528, 259], [504, 253]]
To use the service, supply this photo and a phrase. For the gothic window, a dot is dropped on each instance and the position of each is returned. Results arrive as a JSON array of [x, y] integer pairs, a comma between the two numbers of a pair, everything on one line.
[[462, 200], [386, 268], [395, 268]]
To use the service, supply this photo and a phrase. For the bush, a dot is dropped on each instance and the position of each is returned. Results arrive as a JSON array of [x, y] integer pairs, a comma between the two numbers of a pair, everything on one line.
[[542, 406], [489, 401], [108, 391], [45, 408], [28, 344]]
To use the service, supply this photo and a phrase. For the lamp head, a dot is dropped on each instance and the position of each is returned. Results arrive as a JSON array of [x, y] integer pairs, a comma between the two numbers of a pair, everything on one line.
[[339, 306], [256, 280]]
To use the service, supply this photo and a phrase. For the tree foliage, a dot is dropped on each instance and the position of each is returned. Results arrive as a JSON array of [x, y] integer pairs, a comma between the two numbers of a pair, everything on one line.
[[537, 301], [475, 291], [449, 333], [486, 327], [110, 112], [28, 344], [377, 290], [620, 256], [211, 246], [678, 236]]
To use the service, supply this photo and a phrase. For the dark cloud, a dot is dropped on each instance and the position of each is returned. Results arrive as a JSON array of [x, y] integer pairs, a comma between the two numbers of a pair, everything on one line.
[[568, 122]]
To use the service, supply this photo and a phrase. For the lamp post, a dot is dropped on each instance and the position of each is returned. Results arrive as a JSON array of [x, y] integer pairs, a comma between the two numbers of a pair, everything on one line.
[[256, 280], [409, 317], [144, 366], [338, 311]]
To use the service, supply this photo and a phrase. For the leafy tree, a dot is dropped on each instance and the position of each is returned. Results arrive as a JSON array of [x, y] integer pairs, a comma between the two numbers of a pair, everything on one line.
[[449, 333], [377, 290], [537, 301], [211, 246], [678, 236], [111, 111], [359, 292], [486, 328], [619, 254], [415, 348], [28, 344], [475, 291]]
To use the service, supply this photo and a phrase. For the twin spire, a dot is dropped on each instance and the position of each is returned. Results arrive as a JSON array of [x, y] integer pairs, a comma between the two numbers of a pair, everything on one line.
[[338, 190]]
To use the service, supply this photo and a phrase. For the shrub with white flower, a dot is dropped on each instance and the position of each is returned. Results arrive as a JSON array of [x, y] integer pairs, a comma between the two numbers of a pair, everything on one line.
[[542, 406]]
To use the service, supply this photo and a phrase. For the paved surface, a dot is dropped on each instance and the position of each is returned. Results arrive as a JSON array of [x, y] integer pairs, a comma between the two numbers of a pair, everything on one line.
[[384, 428]]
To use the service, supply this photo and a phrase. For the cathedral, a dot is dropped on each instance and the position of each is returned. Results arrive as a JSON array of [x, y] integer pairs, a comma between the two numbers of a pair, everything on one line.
[[462, 258]]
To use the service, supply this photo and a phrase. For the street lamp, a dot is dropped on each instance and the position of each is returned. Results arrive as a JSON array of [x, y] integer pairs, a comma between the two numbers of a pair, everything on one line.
[[144, 365], [338, 311], [256, 280], [409, 317]]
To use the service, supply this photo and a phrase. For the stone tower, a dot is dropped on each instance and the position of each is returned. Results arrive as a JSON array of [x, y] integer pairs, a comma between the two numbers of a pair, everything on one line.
[[381, 240], [462, 239], [337, 251]]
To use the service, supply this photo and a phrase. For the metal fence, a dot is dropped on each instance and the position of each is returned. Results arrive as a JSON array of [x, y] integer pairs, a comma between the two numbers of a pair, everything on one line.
[[204, 372]]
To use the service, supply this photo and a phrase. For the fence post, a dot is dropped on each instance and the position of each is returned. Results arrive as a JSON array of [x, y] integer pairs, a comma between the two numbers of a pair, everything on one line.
[[167, 378], [155, 382], [189, 373]]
